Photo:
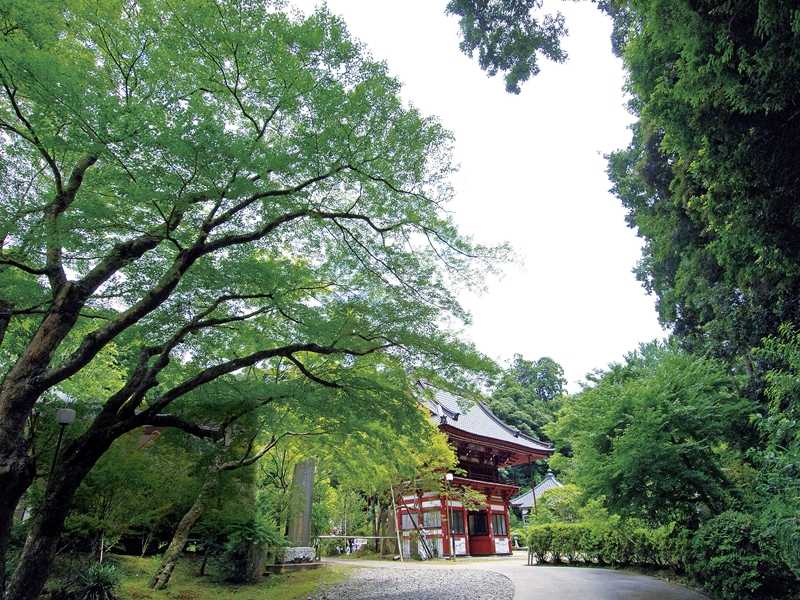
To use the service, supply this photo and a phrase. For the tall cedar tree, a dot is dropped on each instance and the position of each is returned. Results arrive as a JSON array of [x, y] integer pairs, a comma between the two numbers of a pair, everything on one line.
[[711, 179]]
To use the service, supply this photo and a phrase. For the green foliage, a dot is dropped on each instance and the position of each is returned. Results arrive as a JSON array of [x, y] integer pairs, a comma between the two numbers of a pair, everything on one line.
[[559, 504], [731, 555], [539, 539], [528, 394], [255, 531], [654, 435], [567, 540], [98, 581], [134, 492], [248, 543], [508, 36], [736, 559], [269, 206], [778, 483], [710, 178], [613, 542]]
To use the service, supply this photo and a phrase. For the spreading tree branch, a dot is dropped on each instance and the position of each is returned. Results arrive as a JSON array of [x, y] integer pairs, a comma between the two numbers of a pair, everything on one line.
[[212, 373], [249, 460], [302, 368], [201, 431]]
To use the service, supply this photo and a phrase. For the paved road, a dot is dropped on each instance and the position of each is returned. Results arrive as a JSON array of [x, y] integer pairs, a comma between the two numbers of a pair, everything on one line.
[[564, 583], [580, 583]]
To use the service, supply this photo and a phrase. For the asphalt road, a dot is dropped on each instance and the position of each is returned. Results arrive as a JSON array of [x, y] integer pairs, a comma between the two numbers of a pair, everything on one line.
[[564, 583], [579, 583]]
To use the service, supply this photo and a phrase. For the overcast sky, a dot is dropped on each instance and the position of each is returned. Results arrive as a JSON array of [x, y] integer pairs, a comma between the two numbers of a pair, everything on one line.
[[532, 173]]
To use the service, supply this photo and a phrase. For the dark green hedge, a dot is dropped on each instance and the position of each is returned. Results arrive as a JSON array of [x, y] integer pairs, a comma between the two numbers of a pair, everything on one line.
[[728, 555]]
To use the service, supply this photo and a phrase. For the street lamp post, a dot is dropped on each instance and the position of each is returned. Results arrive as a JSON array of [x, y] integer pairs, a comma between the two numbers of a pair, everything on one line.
[[64, 417]]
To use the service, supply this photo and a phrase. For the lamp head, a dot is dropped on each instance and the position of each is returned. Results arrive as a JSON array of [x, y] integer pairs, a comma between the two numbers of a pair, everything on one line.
[[65, 416], [448, 477]]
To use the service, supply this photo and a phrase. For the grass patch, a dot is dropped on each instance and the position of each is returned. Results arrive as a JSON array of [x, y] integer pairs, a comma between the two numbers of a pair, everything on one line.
[[186, 585]]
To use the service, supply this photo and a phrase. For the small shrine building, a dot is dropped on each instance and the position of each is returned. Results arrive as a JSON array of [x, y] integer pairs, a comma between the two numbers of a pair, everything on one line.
[[525, 503], [483, 444]]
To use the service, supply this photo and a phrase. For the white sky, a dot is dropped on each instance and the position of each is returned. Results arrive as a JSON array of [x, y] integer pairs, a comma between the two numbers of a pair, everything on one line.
[[532, 173]]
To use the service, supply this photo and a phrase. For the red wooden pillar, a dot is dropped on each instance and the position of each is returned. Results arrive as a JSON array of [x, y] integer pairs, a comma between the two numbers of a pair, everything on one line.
[[420, 520], [507, 504], [491, 529], [508, 526], [466, 530], [398, 523]]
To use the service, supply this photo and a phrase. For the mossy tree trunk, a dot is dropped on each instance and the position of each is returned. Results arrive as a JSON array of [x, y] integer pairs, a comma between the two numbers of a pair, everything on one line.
[[182, 532], [181, 536]]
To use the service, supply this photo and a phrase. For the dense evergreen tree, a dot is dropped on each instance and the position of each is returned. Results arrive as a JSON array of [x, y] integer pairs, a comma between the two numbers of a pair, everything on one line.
[[658, 436], [711, 179], [528, 394]]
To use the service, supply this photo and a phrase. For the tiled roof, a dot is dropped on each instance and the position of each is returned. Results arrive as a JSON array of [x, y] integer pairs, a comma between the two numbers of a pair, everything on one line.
[[525, 499], [477, 419]]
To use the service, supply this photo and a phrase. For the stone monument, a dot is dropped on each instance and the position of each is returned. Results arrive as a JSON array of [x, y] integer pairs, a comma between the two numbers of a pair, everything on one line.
[[298, 529]]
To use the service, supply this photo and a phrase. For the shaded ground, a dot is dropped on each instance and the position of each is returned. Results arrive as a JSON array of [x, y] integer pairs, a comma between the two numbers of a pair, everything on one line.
[[186, 585], [463, 581]]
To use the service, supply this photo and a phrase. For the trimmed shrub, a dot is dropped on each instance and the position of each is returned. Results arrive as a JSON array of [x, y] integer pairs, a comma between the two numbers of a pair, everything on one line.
[[567, 541], [731, 555], [539, 539], [616, 542], [615, 546]]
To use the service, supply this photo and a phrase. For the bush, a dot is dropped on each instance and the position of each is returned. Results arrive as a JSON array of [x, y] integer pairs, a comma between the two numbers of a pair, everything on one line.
[[247, 547], [568, 541], [736, 559], [539, 539], [615, 546], [99, 581], [558, 505], [613, 542], [731, 555]]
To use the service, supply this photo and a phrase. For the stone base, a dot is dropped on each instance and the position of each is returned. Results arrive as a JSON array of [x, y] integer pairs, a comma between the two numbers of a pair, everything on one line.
[[291, 567], [298, 554]]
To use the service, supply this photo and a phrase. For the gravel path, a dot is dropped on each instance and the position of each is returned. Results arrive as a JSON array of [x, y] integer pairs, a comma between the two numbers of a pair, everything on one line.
[[422, 584]]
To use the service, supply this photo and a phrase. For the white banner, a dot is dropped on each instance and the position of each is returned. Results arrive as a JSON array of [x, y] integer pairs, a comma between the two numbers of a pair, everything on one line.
[[461, 546]]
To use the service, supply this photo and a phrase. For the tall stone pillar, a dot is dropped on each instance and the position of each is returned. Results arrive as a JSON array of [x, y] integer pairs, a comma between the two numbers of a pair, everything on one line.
[[298, 529]]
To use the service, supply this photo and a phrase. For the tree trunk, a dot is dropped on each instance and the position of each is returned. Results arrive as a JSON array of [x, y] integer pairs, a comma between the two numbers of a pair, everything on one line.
[[16, 475], [20, 388], [206, 553], [181, 535], [102, 547], [42, 541], [146, 542], [376, 525]]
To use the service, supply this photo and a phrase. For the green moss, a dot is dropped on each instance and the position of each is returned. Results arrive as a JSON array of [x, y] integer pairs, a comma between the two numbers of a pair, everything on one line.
[[186, 585]]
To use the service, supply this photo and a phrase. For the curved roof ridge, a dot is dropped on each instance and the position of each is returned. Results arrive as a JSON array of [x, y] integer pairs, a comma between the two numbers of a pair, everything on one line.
[[513, 430], [474, 417], [525, 499]]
